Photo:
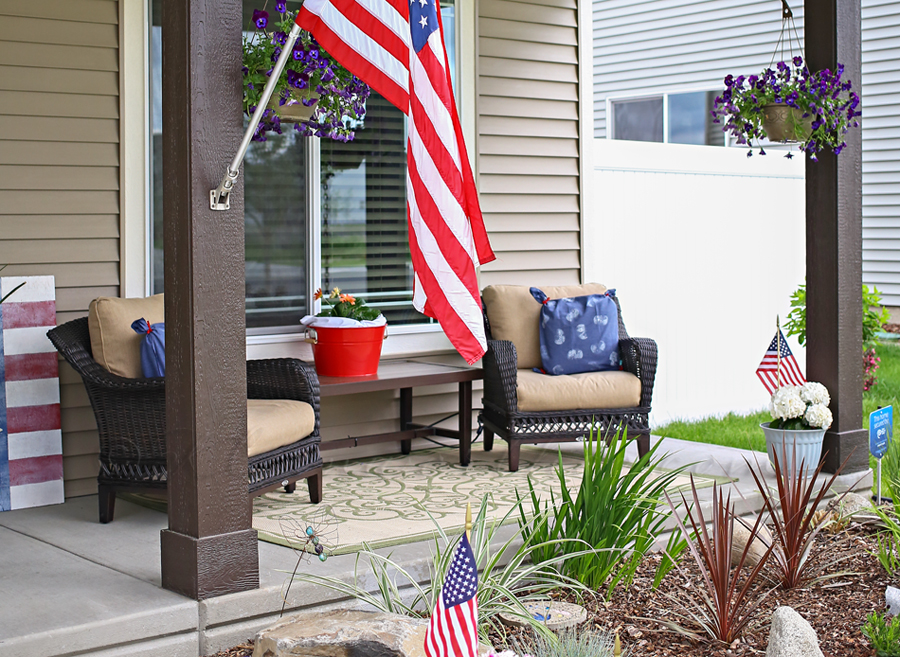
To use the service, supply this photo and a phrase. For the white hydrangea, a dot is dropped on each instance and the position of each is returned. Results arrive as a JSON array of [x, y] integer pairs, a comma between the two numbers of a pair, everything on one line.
[[815, 393], [786, 403], [818, 415]]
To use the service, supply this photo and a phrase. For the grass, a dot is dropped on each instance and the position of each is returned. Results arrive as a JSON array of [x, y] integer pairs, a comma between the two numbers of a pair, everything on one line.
[[743, 431]]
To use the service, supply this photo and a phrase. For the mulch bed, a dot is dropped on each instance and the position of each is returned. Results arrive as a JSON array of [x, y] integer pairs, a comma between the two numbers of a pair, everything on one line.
[[836, 608]]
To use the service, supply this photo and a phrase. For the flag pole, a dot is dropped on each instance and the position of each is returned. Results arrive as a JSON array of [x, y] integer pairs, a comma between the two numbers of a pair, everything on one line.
[[778, 337], [219, 198], [468, 519]]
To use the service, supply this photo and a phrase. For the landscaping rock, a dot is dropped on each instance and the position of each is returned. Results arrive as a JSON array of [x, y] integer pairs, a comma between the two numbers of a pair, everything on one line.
[[345, 633], [892, 598], [791, 636], [739, 541], [851, 504]]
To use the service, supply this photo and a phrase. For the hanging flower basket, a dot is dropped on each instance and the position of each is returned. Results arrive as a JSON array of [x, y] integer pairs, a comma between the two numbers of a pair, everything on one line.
[[785, 123], [297, 109]]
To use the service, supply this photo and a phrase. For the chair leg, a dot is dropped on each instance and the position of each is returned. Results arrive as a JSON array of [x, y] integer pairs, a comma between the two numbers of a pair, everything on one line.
[[291, 487], [488, 437], [514, 446], [643, 442], [314, 481], [106, 496]]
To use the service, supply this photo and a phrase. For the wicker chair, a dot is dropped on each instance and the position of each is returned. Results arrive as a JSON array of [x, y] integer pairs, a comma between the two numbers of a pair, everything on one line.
[[501, 414], [131, 419]]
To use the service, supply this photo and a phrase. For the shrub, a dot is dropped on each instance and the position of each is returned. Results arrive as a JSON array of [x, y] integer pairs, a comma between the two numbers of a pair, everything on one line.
[[617, 511], [883, 636], [573, 643]]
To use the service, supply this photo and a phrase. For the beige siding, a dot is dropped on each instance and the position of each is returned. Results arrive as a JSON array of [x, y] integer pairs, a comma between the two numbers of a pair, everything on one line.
[[528, 140], [59, 174]]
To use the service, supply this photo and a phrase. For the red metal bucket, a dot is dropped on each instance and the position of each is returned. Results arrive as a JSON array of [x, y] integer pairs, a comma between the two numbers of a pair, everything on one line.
[[347, 351]]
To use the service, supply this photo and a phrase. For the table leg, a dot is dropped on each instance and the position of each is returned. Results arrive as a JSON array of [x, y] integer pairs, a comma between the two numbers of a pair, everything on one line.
[[465, 422], [405, 417]]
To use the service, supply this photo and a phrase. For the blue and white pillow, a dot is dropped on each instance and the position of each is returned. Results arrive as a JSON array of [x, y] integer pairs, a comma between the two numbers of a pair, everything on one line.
[[579, 334]]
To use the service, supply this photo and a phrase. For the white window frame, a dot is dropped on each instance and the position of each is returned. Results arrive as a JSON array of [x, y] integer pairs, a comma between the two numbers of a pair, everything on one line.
[[611, 117], [136, 222]]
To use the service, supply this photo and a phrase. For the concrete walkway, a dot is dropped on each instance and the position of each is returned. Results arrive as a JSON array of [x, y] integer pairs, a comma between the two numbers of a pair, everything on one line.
[[71, 586]]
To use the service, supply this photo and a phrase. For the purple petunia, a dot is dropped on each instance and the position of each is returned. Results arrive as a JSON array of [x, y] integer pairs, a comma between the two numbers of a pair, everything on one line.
[[280, 7], [260, 19]]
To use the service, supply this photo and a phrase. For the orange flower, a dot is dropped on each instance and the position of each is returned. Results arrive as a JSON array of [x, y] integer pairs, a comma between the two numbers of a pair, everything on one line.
[[318, 294], [346, 298]]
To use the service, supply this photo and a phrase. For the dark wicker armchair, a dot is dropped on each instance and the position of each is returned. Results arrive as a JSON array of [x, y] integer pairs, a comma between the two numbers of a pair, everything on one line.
[[501, 414], [131, 419]]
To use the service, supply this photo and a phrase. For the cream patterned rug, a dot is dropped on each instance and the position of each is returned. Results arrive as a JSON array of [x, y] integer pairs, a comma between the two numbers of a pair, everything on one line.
[[387, 500]]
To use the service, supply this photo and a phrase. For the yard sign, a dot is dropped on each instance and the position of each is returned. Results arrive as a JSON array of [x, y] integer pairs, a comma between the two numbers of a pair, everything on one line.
[[31, 470]]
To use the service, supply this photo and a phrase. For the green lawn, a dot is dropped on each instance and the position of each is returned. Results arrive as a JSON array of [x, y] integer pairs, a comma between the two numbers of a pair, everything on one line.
[[743, 430]]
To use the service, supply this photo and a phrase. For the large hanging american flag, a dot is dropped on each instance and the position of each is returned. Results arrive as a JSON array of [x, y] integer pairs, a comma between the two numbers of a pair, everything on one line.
[[774, 372], [453, 629], [398, 49]]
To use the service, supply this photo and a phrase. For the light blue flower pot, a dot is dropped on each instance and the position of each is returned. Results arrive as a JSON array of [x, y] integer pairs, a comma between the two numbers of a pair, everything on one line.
[[808, 447]]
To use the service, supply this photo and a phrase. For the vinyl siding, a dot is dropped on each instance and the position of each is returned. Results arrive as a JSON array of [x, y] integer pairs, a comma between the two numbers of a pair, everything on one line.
[[646, 48], [528, 140], [59, 174]]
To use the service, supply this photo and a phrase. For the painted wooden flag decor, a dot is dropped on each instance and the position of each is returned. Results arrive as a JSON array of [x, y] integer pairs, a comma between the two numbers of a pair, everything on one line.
[[31, 468]]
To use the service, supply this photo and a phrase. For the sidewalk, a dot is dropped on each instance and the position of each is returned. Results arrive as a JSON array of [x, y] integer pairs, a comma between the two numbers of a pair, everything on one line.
[[71, 586]]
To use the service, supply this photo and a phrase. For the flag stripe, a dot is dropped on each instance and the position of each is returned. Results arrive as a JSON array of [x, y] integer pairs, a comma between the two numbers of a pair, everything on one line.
[[31, 340], [35, 443], [32, 366], [34, 392], [35, 470], [395, 40], [36, 288], [38, 494], [35, 313], [32, 418]]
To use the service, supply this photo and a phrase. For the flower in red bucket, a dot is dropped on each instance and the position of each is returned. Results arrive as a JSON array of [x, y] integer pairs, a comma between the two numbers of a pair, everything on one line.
[[338, 304]]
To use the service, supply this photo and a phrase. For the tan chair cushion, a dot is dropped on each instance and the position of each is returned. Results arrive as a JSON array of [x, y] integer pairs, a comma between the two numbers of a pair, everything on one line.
[[568, 392], [274, 423], [514, 315], [115, 344]]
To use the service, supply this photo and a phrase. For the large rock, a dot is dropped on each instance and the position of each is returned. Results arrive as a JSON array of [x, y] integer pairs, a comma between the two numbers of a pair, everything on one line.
[[852, 504], [792, 636], [757, 549], [345, 633]]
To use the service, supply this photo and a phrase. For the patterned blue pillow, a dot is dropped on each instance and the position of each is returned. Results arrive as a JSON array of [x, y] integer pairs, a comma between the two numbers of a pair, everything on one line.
[[579, 334]]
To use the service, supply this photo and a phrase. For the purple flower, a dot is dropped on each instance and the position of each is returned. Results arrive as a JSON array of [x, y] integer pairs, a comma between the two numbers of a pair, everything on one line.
[[789, 155], [279, 6], [798, 61], [279, 38], [328, 75], [260, 19]]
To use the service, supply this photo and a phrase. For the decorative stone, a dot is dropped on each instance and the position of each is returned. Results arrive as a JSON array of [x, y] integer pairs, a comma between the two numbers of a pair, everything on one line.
[[346, 633], [792, 636], [555, 615], [852, 504], [740, 536], [892, 598]]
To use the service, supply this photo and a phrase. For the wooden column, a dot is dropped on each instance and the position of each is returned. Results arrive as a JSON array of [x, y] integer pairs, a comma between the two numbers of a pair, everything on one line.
[[209, 548], [834, 243]]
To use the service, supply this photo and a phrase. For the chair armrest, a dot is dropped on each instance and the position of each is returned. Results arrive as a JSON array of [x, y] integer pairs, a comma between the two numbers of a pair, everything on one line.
[[92, 372], [499, 365], [639, 357], [283, 378]]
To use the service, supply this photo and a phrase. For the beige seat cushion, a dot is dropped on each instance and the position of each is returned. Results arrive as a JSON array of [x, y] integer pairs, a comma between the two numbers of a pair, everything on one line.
[[274, 423], [115, 344], [567, 392], [514, 315]]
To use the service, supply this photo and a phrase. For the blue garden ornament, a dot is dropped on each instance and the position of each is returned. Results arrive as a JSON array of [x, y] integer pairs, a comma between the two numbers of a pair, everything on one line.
[[153, 347]]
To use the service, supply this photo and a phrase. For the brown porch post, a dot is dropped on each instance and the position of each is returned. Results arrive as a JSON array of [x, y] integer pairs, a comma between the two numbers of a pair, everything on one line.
[[834, 244], [209, 548]]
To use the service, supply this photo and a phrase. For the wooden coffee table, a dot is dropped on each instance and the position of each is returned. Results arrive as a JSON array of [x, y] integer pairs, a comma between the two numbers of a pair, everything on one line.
[[406, 375]]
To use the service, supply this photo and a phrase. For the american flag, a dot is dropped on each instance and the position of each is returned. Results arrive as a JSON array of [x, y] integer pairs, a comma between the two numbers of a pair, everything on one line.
[[31, 465], [453, 629], [398, 49], [768, 370]]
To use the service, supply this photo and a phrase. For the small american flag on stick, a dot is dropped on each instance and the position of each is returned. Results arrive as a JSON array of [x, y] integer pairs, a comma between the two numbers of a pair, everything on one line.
[[453, 629], [778, 366]]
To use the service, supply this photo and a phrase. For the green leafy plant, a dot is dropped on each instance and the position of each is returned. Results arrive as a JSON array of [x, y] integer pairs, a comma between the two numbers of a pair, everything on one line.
[[722, 606], [874, 316], [508, 576], [792, 513], [617, 510], [338, 304], [888, 553], [573, 643], [884, 636]]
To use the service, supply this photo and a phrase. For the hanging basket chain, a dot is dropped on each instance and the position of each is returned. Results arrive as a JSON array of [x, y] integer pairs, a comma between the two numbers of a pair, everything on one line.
[[787, 24]]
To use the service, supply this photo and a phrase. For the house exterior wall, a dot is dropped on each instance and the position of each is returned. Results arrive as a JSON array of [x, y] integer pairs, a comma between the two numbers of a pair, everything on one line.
[[660, 45], [59, 174]]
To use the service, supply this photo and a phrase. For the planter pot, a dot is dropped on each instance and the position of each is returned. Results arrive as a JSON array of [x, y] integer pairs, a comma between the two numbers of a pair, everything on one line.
[[782, 442], [293, 110], [783, 123], [347, 351]]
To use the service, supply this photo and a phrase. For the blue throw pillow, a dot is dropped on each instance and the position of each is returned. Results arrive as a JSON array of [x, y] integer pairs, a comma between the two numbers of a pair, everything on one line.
[[153, 347], [579, 334]]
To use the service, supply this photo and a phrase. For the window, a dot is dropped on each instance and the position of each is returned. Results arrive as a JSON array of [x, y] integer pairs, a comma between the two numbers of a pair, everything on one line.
[[318, 213], [682, 118]]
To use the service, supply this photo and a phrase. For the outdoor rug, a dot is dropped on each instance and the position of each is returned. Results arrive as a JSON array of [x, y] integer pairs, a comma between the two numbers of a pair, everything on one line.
[[386, 500]]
